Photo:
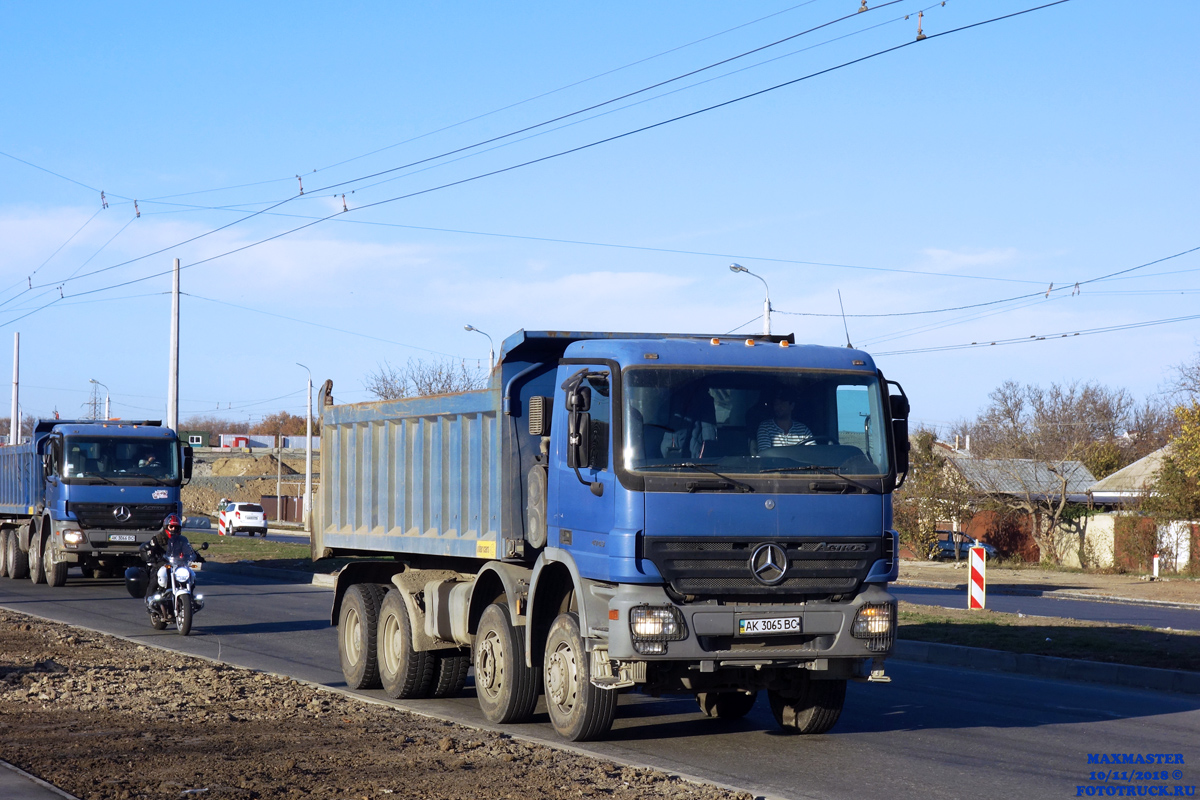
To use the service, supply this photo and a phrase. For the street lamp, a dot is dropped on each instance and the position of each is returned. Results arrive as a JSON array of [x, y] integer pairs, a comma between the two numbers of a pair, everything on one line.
[[98, 383], [491, 347], [308, 456], [766, 300]]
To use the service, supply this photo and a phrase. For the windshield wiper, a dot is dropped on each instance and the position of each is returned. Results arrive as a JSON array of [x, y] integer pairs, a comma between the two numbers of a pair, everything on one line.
[[834, 471], [734, 483], [155, 478]]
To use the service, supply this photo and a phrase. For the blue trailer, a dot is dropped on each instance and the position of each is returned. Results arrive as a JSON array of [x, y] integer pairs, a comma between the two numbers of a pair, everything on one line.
[[86, 493], [622, 512]]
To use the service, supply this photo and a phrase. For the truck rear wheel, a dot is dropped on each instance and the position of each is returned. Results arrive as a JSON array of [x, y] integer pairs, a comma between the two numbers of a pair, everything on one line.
[[579, 711], [56, 571], [726, 705], [404, 672], [3, 552], [18, 562], [357, 626], [451, 673], [809, 707], [506, 688], [36, 541]]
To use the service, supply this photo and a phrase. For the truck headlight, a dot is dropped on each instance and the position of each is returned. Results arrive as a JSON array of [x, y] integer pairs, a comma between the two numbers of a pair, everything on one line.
[[876, 624], [651, 627], [73, 539]]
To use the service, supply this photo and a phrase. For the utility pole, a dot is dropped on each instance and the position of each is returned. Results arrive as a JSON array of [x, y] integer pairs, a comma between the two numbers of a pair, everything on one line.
[[279, 476], [14, 431], [308, 456], [173, 369]]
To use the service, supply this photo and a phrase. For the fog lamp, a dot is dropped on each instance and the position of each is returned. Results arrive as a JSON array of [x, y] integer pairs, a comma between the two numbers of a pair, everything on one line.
[[650, 648], [875, 623], [656, 622]]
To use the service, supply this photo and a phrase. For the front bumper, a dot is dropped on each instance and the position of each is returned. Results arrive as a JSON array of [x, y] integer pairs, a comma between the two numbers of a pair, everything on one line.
[[711, 630], [97, 543]]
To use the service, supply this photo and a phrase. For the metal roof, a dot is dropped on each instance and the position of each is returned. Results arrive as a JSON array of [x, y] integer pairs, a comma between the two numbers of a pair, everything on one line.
[[1024, 475], [1131, 480]]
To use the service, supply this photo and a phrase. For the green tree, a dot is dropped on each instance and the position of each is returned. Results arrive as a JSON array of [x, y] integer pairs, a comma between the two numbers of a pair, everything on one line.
[[933, 492]]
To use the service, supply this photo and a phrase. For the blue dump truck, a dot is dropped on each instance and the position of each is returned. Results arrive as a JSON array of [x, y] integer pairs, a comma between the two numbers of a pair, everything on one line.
[[86, 493], [619, 512]]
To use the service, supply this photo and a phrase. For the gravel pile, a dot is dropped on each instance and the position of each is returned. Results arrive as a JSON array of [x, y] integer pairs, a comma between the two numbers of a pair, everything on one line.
[[107, 719]]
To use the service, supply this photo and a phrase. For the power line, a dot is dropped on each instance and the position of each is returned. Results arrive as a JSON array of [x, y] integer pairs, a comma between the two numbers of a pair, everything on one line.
[[552, 156], [56, 174]]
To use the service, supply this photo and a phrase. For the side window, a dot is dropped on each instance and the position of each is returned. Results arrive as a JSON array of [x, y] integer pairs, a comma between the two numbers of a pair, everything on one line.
[[601, 424], [854, 417]]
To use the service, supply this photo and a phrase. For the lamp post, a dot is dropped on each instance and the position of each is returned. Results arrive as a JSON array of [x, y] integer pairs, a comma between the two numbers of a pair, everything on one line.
[[308, 456], [491, 347], [766, 298], [98, 383]]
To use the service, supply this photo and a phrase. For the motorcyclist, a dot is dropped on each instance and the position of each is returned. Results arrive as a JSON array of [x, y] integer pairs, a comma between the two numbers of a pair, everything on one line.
[[154, 552]]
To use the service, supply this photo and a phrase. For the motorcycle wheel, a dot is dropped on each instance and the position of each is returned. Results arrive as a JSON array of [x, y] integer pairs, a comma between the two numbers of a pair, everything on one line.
[[184, 614]]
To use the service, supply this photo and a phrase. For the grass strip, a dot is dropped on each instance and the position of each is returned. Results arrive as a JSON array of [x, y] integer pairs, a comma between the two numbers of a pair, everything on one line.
[[1052, 636]]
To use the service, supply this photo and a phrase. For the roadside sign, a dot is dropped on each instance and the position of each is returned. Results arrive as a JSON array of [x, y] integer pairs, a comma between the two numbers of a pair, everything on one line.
[[976, 588]]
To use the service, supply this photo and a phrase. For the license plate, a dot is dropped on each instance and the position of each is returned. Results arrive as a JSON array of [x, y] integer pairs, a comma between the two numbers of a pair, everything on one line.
[[762, 625], [122, 537]]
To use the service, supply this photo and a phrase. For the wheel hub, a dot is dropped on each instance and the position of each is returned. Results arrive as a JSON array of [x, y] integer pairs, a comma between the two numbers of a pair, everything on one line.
[[485, 667]]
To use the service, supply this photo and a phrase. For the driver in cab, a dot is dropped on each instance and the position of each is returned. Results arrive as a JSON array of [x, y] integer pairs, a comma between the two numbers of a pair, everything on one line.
[[780, 430]]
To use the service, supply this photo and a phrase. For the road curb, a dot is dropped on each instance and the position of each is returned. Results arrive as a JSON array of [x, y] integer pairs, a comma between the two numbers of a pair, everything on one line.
[[1124, 675], [1060, 594], [40, 786]]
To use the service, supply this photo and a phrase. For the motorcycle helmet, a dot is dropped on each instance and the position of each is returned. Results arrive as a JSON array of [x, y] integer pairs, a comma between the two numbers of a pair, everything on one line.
[[172, 524]]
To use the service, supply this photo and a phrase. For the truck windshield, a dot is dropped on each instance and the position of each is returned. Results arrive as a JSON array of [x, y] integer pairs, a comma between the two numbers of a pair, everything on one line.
[[120, 458], [782, 423]]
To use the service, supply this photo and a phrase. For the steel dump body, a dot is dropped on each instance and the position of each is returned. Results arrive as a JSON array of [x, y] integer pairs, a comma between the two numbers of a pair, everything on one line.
[[418, 475], [20, 479]]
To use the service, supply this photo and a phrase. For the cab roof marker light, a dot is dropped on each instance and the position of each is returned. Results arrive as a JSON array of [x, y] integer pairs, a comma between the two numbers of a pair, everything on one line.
[[784, 343], [749, 343], [858, 362], [714, 341]]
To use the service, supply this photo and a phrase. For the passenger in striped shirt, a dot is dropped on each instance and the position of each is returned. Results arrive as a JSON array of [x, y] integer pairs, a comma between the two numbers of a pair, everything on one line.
[[780, 429]]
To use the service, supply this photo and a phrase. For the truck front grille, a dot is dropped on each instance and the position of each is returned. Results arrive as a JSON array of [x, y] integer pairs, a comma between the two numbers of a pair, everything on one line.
[[142, 516], [722, 567]]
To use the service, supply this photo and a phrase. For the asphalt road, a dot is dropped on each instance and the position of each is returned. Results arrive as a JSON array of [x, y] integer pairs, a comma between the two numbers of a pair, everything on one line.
[[932, 733], [1125, 613]]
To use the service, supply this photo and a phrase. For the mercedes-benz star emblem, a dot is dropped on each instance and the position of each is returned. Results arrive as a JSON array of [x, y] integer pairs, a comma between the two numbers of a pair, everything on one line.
[[768, 564], [122, 513]]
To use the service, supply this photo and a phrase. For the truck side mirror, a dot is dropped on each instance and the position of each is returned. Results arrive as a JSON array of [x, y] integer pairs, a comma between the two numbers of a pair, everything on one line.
[[579, 439], [187, 463], [900, 407], [900, 437], [579, 399]]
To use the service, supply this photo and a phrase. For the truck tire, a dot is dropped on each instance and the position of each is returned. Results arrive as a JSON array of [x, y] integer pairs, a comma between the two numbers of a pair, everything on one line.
[[36, 541], [56, 571], [451, 673], [579, 711], [506, 688], [810, 707], [18, 561], [726, 705], [3, 552], [357, 625], [405, 673]]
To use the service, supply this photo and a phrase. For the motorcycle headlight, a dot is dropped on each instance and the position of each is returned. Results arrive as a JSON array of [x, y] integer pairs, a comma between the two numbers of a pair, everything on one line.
[[183, 574]]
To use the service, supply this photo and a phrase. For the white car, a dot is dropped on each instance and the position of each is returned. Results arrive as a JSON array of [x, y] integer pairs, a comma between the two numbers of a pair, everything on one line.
[[248, 517]]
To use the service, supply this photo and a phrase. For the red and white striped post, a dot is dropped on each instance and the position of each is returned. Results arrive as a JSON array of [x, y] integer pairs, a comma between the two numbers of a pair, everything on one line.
[[976, 588]]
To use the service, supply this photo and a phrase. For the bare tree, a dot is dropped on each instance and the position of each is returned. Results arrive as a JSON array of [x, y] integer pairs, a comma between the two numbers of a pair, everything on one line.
[[214, 424], [419, 378], [283, 423]]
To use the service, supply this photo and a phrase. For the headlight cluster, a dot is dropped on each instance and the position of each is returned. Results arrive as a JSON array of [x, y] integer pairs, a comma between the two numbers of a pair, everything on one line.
[[73, 539], [183, 574], [651, 627], [876, 624]]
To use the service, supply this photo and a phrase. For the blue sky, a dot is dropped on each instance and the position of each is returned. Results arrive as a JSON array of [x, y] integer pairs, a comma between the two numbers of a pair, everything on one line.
[[974, 167]]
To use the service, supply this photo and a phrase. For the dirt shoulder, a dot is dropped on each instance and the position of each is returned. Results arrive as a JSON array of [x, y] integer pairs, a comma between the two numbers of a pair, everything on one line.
[[107, 719], [1170, 589]]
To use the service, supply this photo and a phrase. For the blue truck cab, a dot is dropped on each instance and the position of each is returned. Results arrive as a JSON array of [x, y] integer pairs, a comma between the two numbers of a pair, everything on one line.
[[653, 512], [87, 493]]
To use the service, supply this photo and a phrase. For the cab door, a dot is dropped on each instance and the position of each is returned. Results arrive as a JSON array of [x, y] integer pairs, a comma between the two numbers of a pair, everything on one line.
[[582, 496]]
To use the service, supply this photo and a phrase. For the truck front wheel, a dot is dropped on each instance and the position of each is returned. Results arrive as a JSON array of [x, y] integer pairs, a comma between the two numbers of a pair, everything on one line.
[[578, 710], [809, 706], [404, 672], [506, 688], [36, 541], [357, 626], [56, 570]]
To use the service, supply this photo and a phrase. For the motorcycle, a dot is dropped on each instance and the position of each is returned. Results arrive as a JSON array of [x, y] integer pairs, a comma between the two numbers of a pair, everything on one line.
[[173, 599]]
